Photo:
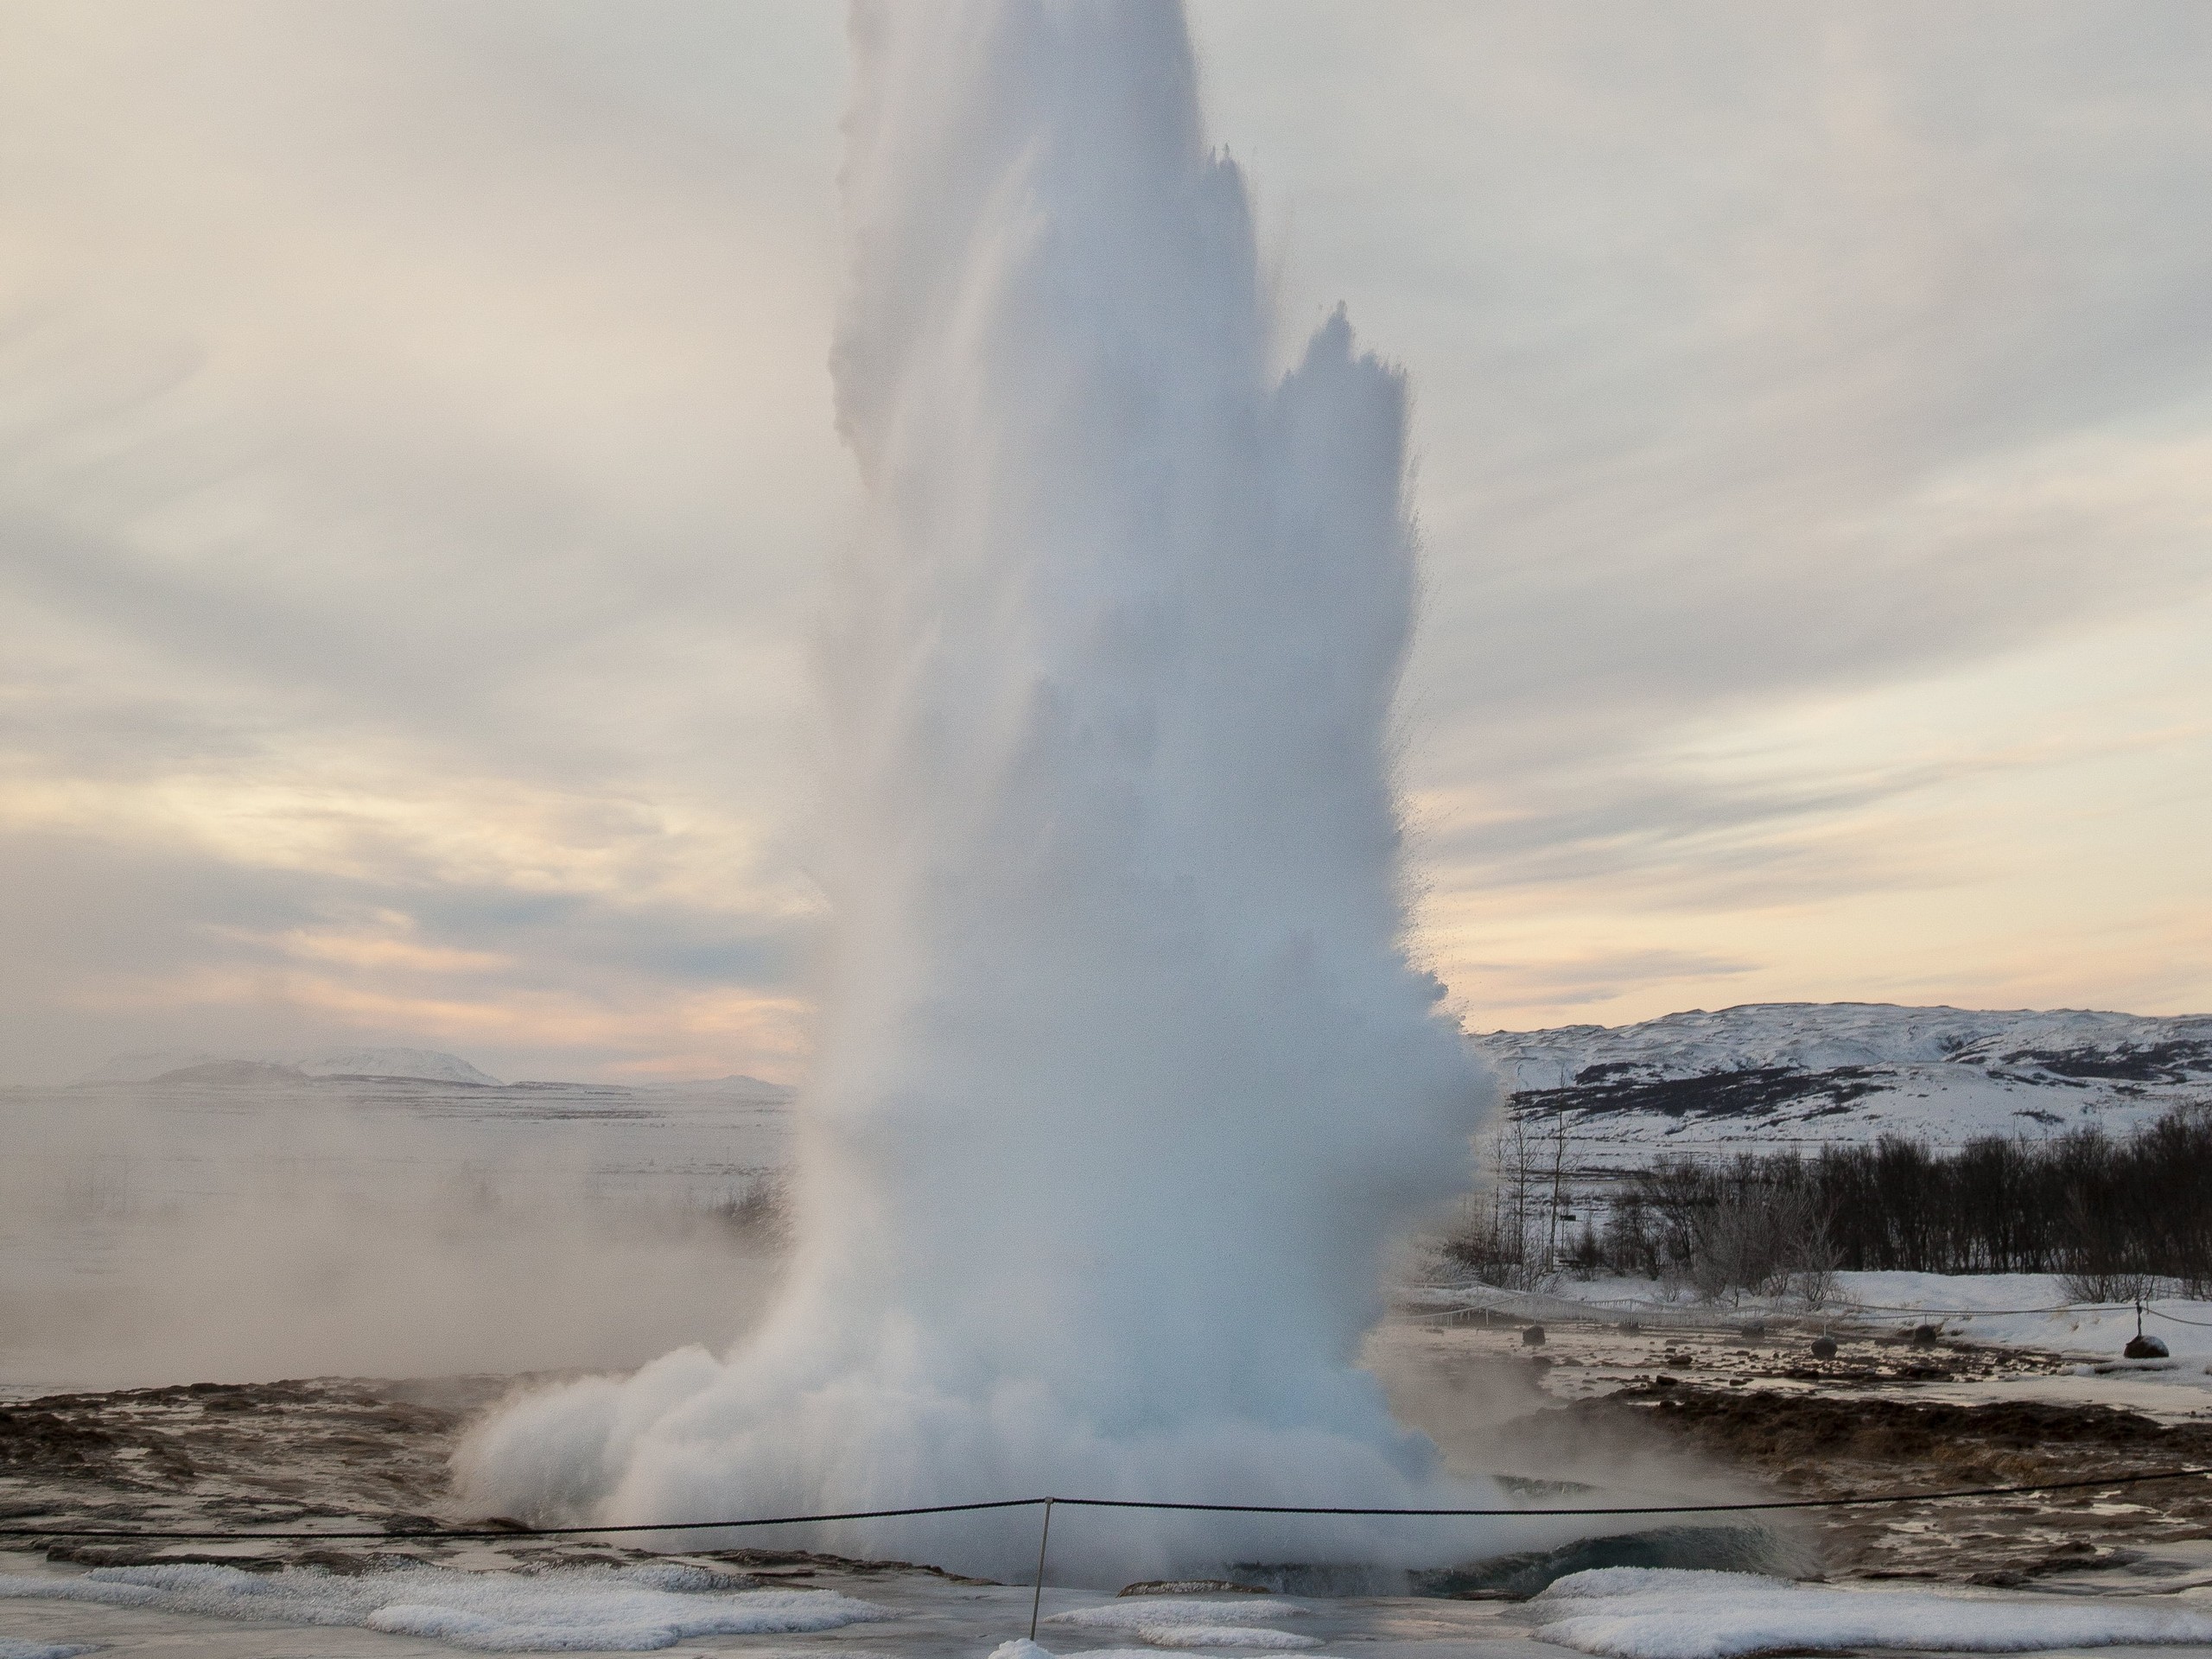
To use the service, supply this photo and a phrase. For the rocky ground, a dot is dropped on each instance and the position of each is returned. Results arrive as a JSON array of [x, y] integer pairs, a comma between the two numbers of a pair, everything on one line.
[[1719, 1416], [1598, 1414], [337, 1454], [330, 1452]]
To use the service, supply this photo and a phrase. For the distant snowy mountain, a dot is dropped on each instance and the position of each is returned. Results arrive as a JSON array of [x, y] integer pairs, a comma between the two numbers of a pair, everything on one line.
[[1812, 1071], [143, 1065], [234, 1074], [423, 1064]]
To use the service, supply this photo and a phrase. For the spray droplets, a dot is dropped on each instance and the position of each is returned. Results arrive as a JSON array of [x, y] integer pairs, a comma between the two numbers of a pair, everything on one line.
[[1125, 1084]]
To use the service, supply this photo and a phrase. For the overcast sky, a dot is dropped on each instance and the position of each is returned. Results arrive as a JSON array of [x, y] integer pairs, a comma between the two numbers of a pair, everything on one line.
[[416, 475]]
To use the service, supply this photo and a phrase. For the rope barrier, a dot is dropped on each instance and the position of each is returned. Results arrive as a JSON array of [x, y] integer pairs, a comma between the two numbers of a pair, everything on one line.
[[388, 1534], [1853, 1501], [1748, 1506], [1985, 1313]]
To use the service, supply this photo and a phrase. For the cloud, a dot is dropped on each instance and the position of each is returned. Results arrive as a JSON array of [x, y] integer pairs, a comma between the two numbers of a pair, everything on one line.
[[188, 947], [416, 475], [1756, 359], [1589, 980], [1782, 374]]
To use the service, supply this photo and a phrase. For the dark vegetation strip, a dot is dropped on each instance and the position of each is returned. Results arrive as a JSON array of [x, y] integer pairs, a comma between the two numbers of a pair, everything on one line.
[[2113, 1214]]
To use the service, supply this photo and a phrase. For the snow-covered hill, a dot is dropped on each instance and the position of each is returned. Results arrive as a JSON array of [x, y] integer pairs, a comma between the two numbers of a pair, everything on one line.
[[425, 1065], [1775, 1072]]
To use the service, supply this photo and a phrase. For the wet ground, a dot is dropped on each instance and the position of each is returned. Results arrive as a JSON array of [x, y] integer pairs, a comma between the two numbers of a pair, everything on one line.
[[1658, 1416], [330, 1452]]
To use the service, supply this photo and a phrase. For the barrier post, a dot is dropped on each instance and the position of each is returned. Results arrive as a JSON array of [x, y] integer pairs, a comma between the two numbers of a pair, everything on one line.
[[1037, 1596]]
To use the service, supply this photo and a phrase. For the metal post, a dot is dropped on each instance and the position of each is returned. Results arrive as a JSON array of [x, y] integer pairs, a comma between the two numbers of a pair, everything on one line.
[[1037, 1600]]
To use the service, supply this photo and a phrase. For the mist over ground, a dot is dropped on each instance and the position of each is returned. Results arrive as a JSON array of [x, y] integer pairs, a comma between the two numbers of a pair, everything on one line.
[[160, 1234]]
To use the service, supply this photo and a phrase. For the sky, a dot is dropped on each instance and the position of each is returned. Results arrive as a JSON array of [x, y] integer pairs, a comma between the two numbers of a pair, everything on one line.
[[417, 482]]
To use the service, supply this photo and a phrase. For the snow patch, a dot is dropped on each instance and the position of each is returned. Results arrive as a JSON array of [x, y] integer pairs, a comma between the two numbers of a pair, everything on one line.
[[13, 1648], [1640, 1612], [2011, 1309], [1128, 1612], [1020, 1648], [1183, 1622], [629, 1609], [1166, 1636], [1223, 1635]]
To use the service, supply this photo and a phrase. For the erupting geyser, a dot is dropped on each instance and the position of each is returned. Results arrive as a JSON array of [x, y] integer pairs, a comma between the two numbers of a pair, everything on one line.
[[1125, 1083]]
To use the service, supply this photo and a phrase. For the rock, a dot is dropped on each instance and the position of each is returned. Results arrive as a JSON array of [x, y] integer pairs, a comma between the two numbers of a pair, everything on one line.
[[1190, 1587]]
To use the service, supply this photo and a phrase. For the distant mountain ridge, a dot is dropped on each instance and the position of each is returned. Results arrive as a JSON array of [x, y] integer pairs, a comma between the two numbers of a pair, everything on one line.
[[417, 1064], [204, 1068], [1849, 1071]]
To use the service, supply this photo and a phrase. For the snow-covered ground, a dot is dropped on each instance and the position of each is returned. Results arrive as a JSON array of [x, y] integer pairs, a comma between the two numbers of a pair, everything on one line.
[[1812, 1072], [609, 1608], [1657, 1613], [1633, 1613], [2014, 1310], [2027, 1312]]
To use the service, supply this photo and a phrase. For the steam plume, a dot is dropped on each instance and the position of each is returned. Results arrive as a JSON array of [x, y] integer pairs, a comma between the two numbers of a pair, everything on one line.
[[1126, 1083]]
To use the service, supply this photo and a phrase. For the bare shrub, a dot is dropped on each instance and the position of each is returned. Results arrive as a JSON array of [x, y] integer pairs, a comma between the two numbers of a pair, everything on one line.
[[1811, 1278], [1507, 1235], [1586, 1258], [1733, 1249], [2110, 1213], [2114, 1217], [1485, 1244], [2093, 1285], [1761, 1235]]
